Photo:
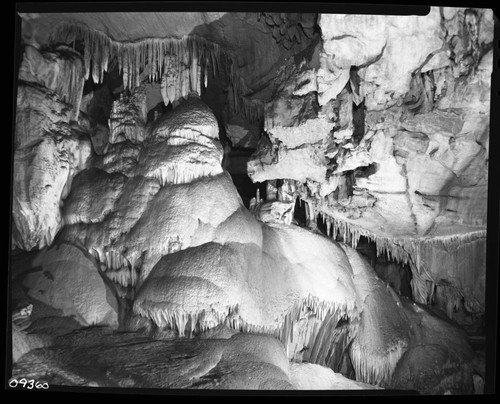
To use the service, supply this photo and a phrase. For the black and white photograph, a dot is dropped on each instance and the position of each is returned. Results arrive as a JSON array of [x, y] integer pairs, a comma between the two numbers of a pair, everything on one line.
[[283, 200]]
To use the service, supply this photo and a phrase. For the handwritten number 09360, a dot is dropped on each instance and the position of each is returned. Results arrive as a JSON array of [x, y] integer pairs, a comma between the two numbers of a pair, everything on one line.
[[28, 384]]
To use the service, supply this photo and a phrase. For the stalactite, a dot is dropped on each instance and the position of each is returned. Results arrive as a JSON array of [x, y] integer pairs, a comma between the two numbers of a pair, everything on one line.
[[193, 53], [213, 63], [404, 250], [328, 226], [182, 173], [194, 66], [205, 76], [116, 267], [323, 317], [375, 369], [86, 59]]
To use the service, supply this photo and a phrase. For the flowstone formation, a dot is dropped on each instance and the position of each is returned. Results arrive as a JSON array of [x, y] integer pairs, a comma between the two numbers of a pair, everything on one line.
[[140, 259], [218, 266]]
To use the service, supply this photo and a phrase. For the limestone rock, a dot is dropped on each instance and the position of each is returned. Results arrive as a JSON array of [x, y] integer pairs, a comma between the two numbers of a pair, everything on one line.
[[309, 376], [406, 143], [386, 48], [100, 138], [442, 122], [273, 211], [458, 267], [23, 343], [39, 111], [441, 354], [282, 163], [311, 131], [168, 224], [241, 362], [191, 119], [210, 283], [93, 196], [242, 133], [60, 70], [331, 80], [182, 145], [423, 145], [180, 164], [68, 280], [125, 208], [383, 337], [356, 158], [128, 117], [120, 158], [47, 156]]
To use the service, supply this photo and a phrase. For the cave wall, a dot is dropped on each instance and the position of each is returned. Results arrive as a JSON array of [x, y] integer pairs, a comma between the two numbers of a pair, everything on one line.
[[385, 135]]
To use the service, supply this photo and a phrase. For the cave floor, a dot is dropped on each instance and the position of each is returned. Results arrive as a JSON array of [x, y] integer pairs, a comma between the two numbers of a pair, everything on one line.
[[102, 357]]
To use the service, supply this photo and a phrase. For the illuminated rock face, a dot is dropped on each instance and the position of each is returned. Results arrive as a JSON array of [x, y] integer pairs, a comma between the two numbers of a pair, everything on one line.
[[60, 70], [69, 282], [210, 284], [48, 154], [401, 155], [136, 219]]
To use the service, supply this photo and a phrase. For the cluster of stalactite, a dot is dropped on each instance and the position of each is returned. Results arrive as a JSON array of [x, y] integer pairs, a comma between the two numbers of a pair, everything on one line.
[[115, 266], [181, 65], [323, 334], [403, 250]]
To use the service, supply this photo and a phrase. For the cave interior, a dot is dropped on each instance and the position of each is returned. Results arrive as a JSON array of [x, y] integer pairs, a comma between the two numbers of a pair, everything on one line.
[[251, 200]]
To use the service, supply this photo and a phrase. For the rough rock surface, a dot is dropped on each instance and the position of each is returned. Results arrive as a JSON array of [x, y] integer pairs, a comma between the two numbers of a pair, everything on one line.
[[137, 218], [23, 343], [440, 353], [92, 357], [210, 283], [128, 117], [48, 154], [66, 279], [309, 376], [60, 70], [242, 133], [382, 337], [98, 357], [402, 149]]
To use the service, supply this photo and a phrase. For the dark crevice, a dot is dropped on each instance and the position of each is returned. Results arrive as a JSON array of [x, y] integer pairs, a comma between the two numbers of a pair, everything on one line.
[[299, 213], [235, 162], [397, 275], [158, 111], [358, 119], [366, 171]]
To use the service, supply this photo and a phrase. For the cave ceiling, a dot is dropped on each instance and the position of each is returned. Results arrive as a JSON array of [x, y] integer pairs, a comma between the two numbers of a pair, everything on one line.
[[259, 43]]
